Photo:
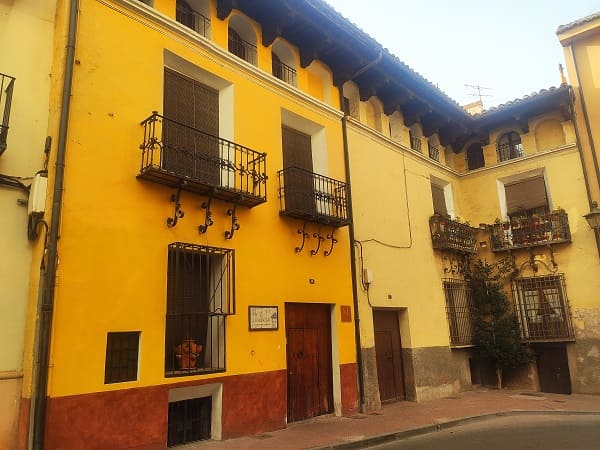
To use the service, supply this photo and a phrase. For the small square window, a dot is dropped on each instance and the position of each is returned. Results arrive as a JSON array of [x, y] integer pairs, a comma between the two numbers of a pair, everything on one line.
[[122, 350]]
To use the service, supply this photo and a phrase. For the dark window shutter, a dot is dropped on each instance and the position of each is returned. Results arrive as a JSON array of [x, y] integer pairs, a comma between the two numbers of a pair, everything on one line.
[[526, 195], [297, 150]]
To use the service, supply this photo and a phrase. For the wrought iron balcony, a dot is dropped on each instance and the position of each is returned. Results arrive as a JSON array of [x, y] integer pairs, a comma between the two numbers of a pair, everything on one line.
[[313, 198], [504, 152], [448, 234], [6, 90], [415, 143], [241, 48], [434, 152], [534, 231], [177, 155]]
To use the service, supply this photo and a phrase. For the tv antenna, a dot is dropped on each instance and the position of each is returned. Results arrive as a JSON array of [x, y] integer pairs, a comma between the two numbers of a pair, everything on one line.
[[477, 91]]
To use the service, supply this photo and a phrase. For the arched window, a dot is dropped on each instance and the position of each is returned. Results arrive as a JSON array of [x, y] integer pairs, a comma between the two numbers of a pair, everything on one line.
[[283, 63], [509, 146], [351, 100], [242, 40], [475, 158]]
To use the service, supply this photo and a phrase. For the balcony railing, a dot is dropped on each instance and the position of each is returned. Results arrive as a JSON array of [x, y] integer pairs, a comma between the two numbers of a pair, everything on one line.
[[434, 152], [241, 48], [6, 90], [193, 19], [176, 155], [415, 144], [524, 232], [448, 234], [505, 152], [284, 72], [315, 198]]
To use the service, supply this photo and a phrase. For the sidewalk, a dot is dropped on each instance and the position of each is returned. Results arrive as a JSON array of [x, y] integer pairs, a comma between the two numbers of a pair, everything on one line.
[[331, 431]]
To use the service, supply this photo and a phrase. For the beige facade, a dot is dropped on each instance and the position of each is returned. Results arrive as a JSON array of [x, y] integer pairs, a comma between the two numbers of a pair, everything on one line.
[[26, 54]]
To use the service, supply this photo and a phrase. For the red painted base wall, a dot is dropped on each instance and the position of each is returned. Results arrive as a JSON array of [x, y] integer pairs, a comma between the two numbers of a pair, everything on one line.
[[137, 418]]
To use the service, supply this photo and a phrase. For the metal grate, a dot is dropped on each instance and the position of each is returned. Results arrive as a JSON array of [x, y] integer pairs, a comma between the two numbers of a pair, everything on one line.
[[283, 71], [415, 143], [192, 19], [434, 152], [122, 350], [542, 307], [173, 152], [189, 421], [509, 147], [448, 234], [459, 311], [316, 198], [531, 231], [200, 293], [7, 84], [241, 48]]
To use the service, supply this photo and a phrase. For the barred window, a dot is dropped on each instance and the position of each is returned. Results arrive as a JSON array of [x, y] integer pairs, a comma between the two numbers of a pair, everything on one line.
[[122, 350], [459, 311], [200, 294], [189, 421], [543, 308], [509, 146]]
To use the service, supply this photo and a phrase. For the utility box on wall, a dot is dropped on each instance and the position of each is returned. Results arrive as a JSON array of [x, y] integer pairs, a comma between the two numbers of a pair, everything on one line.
[[37, 195]]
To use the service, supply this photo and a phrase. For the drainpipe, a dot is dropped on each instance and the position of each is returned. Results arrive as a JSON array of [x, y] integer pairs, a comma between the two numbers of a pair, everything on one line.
[[590, 138], [45, 309], [359, 363]]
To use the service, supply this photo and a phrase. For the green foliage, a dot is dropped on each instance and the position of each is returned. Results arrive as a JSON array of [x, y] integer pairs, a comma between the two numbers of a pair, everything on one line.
[[496, 331]]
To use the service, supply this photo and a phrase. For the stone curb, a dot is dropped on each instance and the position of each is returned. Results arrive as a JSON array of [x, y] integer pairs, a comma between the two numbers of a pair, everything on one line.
[[442, 425]]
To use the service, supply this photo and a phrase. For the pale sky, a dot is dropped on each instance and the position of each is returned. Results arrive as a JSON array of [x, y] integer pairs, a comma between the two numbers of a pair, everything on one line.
[[509, 46]]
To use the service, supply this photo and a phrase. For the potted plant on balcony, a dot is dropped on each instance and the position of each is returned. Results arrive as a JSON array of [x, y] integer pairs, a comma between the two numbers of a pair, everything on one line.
[[187, 354]]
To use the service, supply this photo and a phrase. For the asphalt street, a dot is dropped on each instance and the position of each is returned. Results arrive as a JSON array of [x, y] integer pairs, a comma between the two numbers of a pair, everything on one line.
[[543, 432]]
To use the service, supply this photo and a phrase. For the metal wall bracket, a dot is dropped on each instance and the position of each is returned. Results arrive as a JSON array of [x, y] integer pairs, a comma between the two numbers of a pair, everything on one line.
[[304, 236], [208, 214], [333, 240], [234, 220], [177, 212], [320, 239], [457, 263]]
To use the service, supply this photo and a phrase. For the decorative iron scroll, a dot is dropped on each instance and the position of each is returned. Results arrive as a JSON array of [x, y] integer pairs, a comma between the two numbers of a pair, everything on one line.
[[177, 212], [304, 236], [333, 240], [234, 220], [207, 216], [319, 239]]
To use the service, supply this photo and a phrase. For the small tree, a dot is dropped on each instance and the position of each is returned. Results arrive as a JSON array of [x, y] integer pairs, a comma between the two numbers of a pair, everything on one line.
[[496, 331]]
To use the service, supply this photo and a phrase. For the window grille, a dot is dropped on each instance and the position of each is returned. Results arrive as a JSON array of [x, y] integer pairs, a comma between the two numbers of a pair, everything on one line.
[[122, 350], [189, 421], [415, 142], [459, 311], [434, 151], [543, 308], [200, 294]]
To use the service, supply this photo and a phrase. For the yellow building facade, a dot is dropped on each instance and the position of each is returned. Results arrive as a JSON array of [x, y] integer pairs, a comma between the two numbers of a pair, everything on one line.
[[202, 269], [24, 98], [265, 217]]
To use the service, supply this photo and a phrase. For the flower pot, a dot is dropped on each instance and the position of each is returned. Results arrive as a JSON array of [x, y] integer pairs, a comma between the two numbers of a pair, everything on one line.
[[187, 354]]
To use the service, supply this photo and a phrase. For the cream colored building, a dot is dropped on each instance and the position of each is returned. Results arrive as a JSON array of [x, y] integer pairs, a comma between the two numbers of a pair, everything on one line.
[[26, 49]]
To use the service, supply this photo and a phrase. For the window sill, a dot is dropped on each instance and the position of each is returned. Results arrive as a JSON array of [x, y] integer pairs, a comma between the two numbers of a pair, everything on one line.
[[192, 372]]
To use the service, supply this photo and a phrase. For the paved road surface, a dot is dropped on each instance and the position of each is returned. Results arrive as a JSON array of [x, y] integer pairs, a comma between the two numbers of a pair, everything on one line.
[[521, 432]]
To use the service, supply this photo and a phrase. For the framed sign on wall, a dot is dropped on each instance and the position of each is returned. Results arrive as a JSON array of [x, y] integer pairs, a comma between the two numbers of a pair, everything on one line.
[[263, 318]]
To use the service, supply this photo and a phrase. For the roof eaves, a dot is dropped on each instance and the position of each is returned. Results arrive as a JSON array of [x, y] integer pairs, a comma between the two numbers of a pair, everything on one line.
[[582, 21]]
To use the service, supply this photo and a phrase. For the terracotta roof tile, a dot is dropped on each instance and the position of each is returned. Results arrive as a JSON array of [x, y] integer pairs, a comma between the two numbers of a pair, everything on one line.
[[578, 22]]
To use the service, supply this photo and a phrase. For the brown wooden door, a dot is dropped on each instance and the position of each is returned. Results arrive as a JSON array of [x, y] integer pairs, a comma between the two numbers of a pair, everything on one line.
[[310, 386], [298, 180], [191, 106], [553, 369], [388, 351]]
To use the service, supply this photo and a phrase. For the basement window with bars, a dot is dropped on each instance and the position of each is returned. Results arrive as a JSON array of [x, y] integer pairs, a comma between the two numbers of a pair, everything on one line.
[[543, 308], [459, 311], [200, 294], [122, 350], [189, 421]]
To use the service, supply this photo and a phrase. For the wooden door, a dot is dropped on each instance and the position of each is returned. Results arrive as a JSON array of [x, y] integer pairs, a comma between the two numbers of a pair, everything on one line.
[[388, 351], [191, 129], [553, 369], [298, 179], [310, 385]]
